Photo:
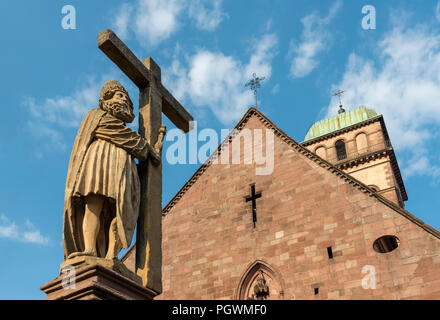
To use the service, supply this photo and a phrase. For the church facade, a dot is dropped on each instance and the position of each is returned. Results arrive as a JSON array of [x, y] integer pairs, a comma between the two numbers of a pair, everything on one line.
[[328, 223]]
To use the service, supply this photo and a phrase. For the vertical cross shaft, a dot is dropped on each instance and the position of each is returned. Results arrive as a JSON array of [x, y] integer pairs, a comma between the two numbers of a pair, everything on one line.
[[339, 94], [253, 197], [149, 235]]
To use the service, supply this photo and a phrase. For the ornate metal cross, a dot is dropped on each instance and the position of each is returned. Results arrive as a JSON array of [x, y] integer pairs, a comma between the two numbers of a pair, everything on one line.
[[154, 99], [253, 197], [339, 94], [254, 84]]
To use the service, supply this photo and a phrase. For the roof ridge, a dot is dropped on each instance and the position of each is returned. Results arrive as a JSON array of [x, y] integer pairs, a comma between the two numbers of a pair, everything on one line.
[[303, 150]]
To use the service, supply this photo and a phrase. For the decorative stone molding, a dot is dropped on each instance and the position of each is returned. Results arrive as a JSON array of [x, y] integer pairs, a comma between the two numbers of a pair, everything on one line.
[[256, 274]]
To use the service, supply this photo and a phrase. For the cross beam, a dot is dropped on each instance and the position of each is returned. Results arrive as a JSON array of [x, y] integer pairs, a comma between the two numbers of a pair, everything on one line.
[[339, 94], [154, 99], [138, 72]]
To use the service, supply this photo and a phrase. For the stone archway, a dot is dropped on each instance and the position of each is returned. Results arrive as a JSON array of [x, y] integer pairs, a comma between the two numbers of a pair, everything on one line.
[[260, 282]]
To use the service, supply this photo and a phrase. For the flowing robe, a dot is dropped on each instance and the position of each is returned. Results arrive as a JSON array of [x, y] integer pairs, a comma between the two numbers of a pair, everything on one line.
[[102, 162]]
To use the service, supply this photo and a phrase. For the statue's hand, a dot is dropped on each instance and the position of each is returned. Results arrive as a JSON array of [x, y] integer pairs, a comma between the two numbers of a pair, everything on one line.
[[160, 136], [156, 150]]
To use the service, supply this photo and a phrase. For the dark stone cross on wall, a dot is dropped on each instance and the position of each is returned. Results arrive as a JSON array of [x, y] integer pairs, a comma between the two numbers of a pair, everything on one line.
[[253, 197]]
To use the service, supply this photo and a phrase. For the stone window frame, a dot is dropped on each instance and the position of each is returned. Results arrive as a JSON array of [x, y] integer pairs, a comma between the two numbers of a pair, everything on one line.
[[325, 150], [367, 136], [338, 158], [387, 243]]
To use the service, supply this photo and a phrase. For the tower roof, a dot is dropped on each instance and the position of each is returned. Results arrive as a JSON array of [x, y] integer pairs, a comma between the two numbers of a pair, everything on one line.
[[339, 121]]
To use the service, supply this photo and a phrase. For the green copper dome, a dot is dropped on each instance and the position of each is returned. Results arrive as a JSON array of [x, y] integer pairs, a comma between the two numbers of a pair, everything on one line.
[[342, 120]]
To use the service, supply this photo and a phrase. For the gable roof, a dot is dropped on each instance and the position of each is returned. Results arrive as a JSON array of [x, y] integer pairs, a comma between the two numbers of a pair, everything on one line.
[[252, 112]]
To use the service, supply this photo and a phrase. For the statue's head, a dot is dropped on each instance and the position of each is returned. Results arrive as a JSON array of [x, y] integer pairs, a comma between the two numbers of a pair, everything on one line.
[[116, 101]]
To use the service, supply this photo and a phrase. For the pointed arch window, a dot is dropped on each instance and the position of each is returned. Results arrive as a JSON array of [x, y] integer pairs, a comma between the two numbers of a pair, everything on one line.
[[341, 152], [260, 282]]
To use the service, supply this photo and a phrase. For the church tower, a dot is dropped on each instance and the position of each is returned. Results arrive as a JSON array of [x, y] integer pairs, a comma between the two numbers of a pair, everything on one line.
[[357, 142]]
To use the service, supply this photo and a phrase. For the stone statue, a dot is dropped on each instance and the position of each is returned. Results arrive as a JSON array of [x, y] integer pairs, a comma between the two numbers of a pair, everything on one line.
[[102, 196]]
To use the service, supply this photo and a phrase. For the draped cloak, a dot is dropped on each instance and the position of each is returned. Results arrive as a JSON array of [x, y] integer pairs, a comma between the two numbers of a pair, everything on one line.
[[102, 162]]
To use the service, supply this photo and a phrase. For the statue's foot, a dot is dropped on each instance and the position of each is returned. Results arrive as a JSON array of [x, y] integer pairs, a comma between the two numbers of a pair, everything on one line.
[[90, 253]]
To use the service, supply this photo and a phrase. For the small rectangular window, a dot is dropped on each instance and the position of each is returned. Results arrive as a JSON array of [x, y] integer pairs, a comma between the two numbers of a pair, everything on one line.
[[316, 291], [330, 252]]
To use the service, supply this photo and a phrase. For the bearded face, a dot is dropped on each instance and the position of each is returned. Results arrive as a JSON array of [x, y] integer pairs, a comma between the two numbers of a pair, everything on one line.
[[120, 106]]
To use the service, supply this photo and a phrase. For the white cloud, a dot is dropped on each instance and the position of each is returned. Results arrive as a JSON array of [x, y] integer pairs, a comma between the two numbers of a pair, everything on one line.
[[42, 131], [27, 233], [48, 118], [314, 39], [66, 111], [216, 81], [268, 25], [122, 20], [403, 84], [422, 166], [7, 229], [263, 52], [275, 89], [156, 20], [206, 18], [437, 11], [153, 21]]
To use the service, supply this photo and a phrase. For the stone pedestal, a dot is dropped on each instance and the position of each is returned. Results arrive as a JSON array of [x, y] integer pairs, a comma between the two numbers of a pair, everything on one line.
[[90, 278]]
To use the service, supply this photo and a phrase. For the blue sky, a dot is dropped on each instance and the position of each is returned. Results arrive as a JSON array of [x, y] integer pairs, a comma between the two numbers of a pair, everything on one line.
[[207, 50]]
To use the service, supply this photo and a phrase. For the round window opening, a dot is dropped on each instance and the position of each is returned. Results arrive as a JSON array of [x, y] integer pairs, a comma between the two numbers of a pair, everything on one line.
[[386, 244]]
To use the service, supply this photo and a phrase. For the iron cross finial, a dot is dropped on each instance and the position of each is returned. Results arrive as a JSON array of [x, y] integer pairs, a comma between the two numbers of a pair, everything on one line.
[[254, 84], [339, 94]]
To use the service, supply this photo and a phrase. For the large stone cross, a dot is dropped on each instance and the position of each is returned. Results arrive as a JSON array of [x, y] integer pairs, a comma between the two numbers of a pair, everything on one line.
[[154, 99]]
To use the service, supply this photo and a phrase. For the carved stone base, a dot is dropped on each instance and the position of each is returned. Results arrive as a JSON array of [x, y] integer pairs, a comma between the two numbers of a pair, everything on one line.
[[89, 278]]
